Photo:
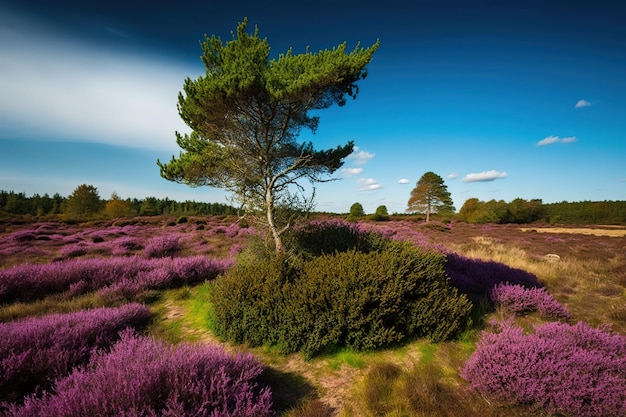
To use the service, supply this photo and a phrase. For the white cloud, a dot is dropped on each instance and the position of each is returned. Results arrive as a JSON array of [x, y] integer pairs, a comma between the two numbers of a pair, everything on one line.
[[360, 157], [403, 181], [453, 176], [548, 140], [369, 184], [59, 88], [348, 172], [582, 103], [484, 176], [555, 139]]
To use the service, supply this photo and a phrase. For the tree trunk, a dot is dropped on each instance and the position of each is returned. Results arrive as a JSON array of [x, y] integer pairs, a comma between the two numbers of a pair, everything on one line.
[[269, 207]]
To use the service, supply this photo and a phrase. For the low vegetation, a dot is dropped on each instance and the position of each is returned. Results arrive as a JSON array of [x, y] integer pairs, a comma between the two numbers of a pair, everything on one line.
[[139, 376], [355, 299], [383, 318]]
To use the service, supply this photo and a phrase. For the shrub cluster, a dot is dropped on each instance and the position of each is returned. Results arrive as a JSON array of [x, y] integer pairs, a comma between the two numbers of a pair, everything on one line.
[[317, 238], [37, 350], [519, 300], [144, 377], [477, 278], [29, 282], [359, 300], [561, 368]]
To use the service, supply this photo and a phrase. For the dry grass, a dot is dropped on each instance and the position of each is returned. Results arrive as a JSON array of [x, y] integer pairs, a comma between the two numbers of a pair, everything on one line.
[[614, 231], [592, 289]]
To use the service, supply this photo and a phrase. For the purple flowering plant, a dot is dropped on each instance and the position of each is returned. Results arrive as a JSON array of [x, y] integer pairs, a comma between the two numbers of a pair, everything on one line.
[[144, 377], [520, 300], [37, 350], [27, 282], [574, 370]]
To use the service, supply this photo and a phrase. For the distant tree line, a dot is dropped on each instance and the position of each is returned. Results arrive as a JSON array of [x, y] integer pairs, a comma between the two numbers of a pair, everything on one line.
[[587, 212], [522, 211], [85, 202]]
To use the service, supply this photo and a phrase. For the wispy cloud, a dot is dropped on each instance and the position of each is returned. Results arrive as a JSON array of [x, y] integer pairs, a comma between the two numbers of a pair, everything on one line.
[[484, 176], [556, 139], [348, 172], [369, 184], [84, 92], [582, 103], [403, 181], [453, 176], [360, 157]]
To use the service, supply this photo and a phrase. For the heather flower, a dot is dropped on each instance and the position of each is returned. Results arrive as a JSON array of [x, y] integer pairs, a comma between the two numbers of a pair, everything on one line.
[[37, 350], [144, 377], [74, 250], [477, 277], [563, 369], [519, 300], [162, 246], [125, 245], [21, 236], [33, 281]]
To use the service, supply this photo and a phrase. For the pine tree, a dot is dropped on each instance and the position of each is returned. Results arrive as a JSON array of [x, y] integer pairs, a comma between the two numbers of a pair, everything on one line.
[[246, 114], [430, 195]]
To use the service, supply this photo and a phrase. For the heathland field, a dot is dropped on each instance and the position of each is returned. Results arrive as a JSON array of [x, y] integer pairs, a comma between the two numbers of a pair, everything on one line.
[[191, 316]]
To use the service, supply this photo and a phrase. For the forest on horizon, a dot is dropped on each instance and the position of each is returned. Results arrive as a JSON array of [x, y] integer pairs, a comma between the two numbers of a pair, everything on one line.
[[86, 202]]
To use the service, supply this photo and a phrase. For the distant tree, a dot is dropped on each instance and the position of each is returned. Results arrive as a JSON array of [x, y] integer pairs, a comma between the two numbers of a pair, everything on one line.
[[430, 195], [116, 207], [356, 212], [84, 201], [17, 203], [469, 210], [381, 214], [57, 203], [246, 113], [149, 207]]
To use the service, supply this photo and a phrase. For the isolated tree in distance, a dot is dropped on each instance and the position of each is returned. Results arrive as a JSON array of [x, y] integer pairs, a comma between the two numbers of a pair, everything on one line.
[[381, 213], [430, 195], [246, 113], [84, 201], [356, 212]]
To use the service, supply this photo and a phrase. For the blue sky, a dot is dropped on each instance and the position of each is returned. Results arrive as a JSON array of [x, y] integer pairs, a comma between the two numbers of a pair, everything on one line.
[[502, 99]]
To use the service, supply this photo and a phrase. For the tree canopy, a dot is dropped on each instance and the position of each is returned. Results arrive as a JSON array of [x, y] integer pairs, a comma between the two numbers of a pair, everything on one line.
[[430, 195], [246, 114], [84, 201]]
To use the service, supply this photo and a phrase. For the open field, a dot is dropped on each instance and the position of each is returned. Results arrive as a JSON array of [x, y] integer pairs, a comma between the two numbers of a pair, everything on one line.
[[586, 274]]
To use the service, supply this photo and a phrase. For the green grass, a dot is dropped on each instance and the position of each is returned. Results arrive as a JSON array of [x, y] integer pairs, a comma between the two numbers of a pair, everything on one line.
[[347, 357], [49, 305], [428, 352]]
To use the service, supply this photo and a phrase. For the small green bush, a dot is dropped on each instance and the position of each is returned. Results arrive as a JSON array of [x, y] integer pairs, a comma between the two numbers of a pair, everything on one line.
[[182, 219], [352, 299]]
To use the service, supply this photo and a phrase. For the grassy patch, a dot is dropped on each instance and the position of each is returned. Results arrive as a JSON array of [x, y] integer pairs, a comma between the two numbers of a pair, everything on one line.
[[427, 352], [347, 357], [50, 305]]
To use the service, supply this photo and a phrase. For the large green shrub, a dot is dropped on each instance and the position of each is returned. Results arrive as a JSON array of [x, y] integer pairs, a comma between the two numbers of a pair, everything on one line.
[[354, 299]]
